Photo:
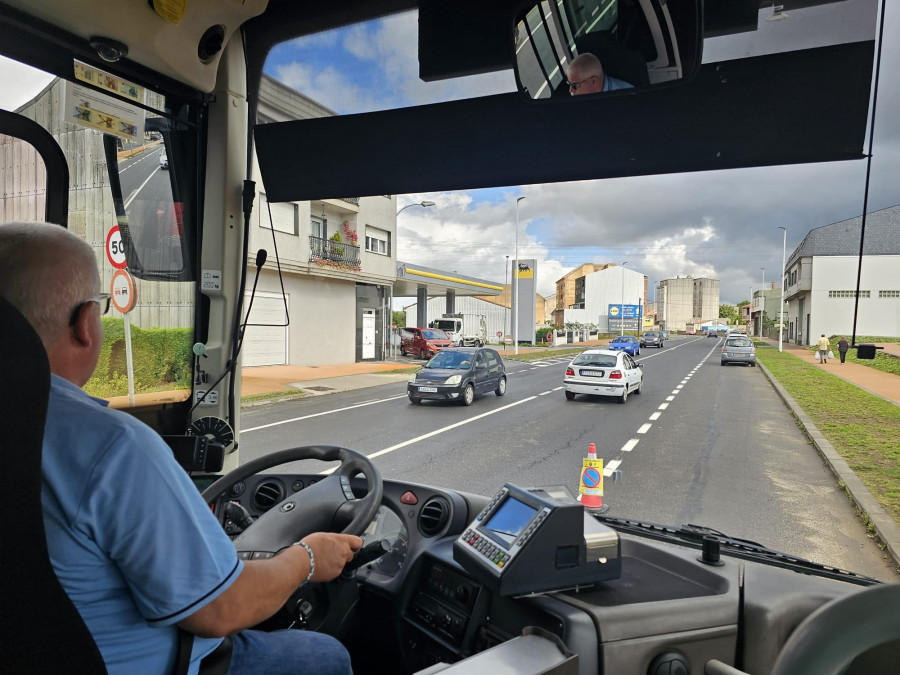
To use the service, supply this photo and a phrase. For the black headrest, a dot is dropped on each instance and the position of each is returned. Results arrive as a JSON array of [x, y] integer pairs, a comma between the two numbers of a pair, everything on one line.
[[40, 628]]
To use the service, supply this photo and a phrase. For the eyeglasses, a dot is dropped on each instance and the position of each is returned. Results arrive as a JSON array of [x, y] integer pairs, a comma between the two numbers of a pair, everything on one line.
[[102, 300], [573, 86]]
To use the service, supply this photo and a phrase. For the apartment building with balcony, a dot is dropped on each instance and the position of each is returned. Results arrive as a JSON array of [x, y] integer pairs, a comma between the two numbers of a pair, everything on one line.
[[821, 274], [328, 257]]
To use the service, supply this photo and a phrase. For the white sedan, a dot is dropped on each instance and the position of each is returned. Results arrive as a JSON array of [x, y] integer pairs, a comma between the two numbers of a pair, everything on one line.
[[602, 372]]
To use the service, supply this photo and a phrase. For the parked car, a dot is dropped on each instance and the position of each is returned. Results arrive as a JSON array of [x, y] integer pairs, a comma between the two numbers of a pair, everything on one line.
[[626, 343], [163, 160], [603, 372], [711, 333], [423, 342], [458, 374], [738, 349], [652, 338], [665, 334]]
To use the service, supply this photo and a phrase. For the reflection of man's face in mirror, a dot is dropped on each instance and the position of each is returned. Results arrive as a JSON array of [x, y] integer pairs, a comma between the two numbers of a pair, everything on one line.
[[585, 75]]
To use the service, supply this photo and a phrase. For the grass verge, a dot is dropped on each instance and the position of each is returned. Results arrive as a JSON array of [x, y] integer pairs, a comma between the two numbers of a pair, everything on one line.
[[548, 353], [863, 428], [252, 398]]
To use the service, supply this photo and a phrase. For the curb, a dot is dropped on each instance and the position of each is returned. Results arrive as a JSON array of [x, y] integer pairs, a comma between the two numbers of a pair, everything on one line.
[[885, 526]]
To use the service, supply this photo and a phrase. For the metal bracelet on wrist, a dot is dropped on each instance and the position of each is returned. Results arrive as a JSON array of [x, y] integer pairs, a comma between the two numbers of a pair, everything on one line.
[[312, 560]]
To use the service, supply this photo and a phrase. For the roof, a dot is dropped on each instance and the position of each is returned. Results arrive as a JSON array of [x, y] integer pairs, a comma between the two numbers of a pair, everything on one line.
[[842, 238]]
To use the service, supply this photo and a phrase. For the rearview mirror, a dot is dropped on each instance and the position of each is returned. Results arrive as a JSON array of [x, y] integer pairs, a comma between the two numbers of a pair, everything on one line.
[[599, 46]]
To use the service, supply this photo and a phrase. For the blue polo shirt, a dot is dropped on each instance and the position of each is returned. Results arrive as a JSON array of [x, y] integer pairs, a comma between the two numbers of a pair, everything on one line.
[[614, 84], [132, 541]]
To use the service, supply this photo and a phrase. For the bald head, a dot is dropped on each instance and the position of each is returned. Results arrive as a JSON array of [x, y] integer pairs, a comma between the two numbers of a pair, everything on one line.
[[585, 75], [47, 273]]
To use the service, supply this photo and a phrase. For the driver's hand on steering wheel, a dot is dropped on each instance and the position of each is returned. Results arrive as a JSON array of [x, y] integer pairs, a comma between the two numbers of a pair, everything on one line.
[[332, 551]]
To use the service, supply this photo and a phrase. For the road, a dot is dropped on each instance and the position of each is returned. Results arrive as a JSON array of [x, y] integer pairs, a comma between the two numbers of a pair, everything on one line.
[[702, 444], [152, 220]]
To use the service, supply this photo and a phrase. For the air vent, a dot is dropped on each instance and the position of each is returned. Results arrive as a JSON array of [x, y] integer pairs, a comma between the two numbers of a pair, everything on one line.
[[433, 516], [267, 495]]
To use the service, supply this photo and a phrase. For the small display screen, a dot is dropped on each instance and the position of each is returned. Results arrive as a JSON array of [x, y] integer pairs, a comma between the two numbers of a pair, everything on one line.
[[510, 519]]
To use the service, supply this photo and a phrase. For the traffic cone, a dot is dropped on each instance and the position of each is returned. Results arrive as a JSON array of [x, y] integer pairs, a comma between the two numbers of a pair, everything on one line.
[[593, 503]]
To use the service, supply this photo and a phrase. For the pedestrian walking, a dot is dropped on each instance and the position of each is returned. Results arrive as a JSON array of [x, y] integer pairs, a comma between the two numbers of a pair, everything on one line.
[[843, 346], [822, 347]]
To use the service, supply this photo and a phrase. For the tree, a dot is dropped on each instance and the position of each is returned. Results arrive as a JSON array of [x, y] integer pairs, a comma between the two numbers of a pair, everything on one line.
[[399, 318], [729, 312]]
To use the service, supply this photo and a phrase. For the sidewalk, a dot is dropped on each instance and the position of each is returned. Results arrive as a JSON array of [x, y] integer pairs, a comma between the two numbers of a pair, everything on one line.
[[877, 382]]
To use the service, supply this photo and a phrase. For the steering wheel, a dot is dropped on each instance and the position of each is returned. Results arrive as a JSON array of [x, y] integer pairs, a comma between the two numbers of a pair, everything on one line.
[[828, 640], [324, 506]]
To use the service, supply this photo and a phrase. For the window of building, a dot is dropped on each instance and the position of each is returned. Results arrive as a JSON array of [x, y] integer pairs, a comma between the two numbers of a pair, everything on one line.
[[889, 294], [378, 241], [319, 227], [285, 216], [849, 294]]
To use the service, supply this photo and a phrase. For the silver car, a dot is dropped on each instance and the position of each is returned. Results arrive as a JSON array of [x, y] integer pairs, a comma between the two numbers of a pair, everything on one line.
[[738, 349]]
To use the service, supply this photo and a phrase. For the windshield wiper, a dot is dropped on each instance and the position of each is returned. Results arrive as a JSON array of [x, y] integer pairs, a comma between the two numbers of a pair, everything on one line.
[[692, 535]]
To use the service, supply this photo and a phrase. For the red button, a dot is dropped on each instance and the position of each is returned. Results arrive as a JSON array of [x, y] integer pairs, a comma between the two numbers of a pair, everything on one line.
[[409, 498]]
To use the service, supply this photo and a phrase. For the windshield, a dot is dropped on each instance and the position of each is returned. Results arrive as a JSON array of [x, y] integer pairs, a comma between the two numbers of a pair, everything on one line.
[[594, 360], [431, 334], [451, 360]]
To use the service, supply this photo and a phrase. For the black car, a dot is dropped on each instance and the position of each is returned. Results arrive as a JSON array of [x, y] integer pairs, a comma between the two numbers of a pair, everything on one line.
[[652, 338], [458, 374]]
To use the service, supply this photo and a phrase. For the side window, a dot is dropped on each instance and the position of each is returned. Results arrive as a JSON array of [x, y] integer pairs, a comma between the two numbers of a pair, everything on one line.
[[492, 358], [480, 361]]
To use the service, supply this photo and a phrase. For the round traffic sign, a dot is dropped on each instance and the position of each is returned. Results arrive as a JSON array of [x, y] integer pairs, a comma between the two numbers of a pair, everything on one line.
[[123, 290], [115, 248], [499, 333], [591, 478]]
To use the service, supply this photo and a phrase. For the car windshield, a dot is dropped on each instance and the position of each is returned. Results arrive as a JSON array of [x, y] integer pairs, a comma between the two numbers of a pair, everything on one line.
[[739, 342], [624, 338], [434, 334], [594, 360], [451, 360]]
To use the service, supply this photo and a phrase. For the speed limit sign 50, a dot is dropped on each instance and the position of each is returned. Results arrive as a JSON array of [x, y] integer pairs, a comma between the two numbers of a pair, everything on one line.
[[115, 248]]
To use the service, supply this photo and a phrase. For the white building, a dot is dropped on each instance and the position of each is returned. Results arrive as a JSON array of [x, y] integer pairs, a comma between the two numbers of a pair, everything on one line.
[[612, 286], [820, 280], [349, 281], [685, 300]]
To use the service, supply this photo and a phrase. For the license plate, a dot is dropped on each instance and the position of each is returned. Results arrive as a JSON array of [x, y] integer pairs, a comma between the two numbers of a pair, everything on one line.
[[592, 373], [428, 390]]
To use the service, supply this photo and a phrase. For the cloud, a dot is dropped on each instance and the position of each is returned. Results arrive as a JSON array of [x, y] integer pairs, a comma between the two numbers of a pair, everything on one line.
[[21, 83], [327, 86]]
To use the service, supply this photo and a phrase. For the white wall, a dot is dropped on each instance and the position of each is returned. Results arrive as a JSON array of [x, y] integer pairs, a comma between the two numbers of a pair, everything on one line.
[[495, 315], [604, 288], [833, 316]]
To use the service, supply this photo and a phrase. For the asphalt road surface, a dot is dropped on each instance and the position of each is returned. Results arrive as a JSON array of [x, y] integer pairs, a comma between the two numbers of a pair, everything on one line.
[[703, 444]]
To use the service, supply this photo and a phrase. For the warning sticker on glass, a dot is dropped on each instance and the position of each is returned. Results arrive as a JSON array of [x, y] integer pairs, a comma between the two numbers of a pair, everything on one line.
[[89, 108]]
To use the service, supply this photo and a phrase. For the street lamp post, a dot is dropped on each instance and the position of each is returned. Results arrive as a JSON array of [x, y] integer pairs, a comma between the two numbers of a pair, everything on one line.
[[425, 203], [622, 306], [516, 283], [763, 293], [509, 297], [781, 308]]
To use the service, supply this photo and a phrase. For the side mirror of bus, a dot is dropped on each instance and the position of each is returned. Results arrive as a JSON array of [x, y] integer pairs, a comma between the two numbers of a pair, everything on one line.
[[605, 47]]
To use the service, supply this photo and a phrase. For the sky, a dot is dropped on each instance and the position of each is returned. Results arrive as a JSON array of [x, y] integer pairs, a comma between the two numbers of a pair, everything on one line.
[[719, 224]]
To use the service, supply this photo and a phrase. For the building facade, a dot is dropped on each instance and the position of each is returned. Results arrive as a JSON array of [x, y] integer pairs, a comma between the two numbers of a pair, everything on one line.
[[820, 280], [684, 301], [335, 258], [567, 289], [612, 285]]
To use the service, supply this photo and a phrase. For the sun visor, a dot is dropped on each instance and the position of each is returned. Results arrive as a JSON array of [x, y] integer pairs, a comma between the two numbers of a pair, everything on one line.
[[782, 108]]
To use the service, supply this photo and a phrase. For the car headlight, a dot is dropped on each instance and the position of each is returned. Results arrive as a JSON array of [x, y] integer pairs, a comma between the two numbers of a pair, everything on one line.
[[412, 379], [454, 379]]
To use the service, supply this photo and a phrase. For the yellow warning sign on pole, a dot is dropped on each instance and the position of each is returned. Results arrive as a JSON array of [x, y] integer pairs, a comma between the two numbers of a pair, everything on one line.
[[591, 477]]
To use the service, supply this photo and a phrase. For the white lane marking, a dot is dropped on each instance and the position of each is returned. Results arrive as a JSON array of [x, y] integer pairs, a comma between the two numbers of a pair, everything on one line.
[[675, 391], [320, 414], [629, 446], [645, 428], [663, 406], [135, 193], [544, 393], [655, 416], [443, 429], [670, 398], [558, 388], [677, 387], [612, 466]]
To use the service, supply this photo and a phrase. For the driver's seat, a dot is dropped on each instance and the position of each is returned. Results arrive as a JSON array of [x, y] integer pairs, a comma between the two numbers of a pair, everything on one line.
[[41, 630]]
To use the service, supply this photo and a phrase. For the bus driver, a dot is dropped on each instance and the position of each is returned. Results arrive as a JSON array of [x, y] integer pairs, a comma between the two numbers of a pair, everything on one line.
[[129, 536]]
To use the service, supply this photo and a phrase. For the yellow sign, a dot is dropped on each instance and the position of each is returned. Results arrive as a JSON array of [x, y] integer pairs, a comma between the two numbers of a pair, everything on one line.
[[112, 83], [591, 482], [170, 10], [524, 271]]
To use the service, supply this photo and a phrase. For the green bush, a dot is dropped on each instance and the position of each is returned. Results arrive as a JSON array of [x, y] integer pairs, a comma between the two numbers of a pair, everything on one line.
[[161, 359]]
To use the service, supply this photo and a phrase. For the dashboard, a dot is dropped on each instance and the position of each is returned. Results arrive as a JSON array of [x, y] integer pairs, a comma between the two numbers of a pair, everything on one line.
[[416, 606]]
